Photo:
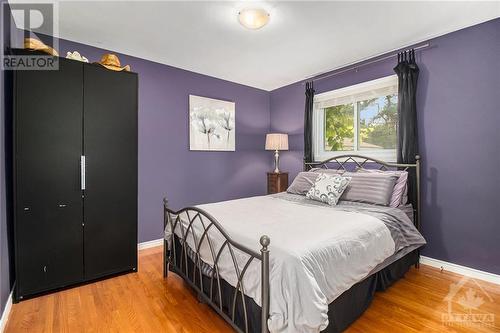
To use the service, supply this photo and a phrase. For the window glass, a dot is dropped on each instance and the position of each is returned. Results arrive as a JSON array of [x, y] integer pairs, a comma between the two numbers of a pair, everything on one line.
[[378, 119], [339, 128], [359, 119]]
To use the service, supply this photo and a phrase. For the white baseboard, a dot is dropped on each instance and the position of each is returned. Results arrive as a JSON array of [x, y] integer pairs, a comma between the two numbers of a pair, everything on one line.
[[463, 270], [6, 313], [151, 243]]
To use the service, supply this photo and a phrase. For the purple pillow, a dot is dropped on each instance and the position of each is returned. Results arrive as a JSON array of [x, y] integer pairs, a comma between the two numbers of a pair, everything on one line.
[[400, 192], [302, 183], [372, 188]]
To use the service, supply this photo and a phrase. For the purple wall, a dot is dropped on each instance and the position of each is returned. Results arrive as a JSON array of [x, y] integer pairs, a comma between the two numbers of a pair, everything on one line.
[[459, 138]]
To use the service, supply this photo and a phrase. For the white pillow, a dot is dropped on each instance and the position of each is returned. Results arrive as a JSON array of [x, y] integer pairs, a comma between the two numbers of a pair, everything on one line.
[[328, 188]]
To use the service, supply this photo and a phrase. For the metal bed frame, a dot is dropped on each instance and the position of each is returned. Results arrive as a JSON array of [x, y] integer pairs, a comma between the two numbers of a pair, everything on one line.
[[342, 162], [194, 277]]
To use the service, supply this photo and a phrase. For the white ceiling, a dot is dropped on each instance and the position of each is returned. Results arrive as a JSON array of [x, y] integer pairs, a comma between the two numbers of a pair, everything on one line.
[[303, 38]]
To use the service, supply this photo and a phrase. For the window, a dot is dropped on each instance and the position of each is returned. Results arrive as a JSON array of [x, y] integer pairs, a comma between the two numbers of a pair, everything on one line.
[[359, 119]]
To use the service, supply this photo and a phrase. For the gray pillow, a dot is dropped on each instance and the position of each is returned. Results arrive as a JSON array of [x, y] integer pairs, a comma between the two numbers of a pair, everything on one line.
[[328, 188], [305, 180], [302, 183], [400, 192], [373, 188]]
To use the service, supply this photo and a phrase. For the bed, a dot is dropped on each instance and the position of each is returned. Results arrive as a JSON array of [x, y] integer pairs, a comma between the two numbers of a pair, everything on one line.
[[284, 263]]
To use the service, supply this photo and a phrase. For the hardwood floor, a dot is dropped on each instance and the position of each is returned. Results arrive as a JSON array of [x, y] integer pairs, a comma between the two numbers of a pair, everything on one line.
[[145, 302]]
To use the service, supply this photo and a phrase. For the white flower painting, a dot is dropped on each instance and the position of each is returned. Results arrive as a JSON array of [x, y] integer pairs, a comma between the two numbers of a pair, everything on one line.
[[211, 124]]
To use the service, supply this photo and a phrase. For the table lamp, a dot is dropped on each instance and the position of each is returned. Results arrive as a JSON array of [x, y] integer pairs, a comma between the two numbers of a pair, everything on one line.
[[276, 142]]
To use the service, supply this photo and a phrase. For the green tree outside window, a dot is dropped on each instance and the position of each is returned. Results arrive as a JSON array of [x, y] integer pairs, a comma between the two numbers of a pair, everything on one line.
[[377, 125]]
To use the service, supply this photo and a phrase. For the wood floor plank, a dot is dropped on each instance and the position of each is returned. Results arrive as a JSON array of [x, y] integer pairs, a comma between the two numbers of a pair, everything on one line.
[[145, 302]]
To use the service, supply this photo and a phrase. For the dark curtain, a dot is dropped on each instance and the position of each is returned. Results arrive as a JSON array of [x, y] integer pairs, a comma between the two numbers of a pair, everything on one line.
[[407, 71], [308, 123]]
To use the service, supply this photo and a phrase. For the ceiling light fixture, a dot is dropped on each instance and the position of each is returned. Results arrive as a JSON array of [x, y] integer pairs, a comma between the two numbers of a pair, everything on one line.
[[253, 18]]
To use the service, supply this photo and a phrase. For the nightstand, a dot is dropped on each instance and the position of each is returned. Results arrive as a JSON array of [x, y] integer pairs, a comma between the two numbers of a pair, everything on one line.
[[277, 182]]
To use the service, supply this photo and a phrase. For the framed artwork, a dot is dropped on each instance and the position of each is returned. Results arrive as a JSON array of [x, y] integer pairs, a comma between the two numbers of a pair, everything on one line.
[[211, 124]]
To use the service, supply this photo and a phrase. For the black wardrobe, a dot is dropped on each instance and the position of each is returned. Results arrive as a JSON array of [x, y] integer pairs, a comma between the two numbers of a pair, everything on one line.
[[75, 175]]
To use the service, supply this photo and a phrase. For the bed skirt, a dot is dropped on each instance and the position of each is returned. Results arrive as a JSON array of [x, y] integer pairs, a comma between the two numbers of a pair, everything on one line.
[[342, 312]]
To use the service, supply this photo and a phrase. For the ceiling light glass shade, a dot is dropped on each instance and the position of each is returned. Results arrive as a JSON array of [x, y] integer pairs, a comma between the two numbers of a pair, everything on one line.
[[253, 18]]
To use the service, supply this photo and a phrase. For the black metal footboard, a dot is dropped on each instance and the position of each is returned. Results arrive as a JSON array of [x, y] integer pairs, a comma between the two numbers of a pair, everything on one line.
[[186, 261]]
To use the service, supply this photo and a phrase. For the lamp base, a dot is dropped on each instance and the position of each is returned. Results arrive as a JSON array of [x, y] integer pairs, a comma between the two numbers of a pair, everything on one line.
[[276, 161]]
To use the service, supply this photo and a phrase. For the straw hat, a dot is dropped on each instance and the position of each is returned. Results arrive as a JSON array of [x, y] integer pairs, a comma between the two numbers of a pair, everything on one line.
[[111, 61], [75, 55], [36, 45]]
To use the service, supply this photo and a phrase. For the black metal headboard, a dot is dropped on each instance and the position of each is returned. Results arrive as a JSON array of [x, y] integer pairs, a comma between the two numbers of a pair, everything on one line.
[[343, 162]]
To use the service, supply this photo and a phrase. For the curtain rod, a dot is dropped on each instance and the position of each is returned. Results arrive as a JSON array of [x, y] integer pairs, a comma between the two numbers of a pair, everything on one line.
[[362, 64]]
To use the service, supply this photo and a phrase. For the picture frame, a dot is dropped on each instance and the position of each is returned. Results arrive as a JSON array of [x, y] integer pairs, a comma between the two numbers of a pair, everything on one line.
[[212, 124]]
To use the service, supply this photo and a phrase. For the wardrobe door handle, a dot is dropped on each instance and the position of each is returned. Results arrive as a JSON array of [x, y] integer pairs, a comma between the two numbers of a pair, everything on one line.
[[82, 172]]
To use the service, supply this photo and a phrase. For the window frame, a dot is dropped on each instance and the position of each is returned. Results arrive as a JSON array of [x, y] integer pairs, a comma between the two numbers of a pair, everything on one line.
[[319, 153]]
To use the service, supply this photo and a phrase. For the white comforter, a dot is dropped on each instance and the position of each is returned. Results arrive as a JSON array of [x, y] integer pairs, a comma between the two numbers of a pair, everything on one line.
[[316, 254]]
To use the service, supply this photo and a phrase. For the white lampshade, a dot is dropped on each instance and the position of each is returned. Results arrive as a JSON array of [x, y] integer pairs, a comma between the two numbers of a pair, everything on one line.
[[276, 141]]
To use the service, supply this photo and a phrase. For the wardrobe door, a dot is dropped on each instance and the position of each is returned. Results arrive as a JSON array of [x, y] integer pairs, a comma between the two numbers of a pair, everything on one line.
[[48, 199], [110, 146]]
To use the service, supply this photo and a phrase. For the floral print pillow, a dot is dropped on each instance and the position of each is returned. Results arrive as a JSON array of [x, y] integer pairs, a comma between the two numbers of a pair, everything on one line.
[[328, 188]]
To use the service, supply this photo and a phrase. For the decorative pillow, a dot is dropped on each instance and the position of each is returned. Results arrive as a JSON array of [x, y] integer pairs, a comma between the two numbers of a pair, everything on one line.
[[400, 192], [328, 188], [373, 188]]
